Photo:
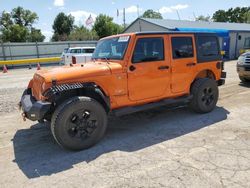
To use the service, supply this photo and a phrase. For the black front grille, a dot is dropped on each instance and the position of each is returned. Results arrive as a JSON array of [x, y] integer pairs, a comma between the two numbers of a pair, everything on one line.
[[247, 60]]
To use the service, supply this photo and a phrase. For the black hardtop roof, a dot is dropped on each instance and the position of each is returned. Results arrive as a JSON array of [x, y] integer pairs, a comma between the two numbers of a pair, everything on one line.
[[175, 32]]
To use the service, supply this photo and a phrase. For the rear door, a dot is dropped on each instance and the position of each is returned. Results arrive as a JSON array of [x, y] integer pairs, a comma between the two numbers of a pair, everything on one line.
[[148, 71], [183, 61]]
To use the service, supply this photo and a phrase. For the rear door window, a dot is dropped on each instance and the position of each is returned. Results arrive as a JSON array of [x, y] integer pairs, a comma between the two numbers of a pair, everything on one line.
[[182, 47], [208, 48]]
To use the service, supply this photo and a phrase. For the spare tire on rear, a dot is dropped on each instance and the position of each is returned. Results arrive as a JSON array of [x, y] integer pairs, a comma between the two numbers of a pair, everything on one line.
[[205, 95], [79, 123]]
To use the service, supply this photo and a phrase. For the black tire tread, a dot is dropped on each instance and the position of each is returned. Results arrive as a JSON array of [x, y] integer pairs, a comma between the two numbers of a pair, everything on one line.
[[194, 90], [59, 110]]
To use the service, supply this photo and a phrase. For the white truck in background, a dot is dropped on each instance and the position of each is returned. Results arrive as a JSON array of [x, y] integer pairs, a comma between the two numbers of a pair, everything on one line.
[[77, 55]]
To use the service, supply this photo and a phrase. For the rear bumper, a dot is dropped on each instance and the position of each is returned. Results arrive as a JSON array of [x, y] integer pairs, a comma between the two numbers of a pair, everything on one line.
[[33, 109]]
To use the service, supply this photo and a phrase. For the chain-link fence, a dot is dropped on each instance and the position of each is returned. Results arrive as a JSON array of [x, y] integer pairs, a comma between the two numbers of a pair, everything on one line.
[[12, 51]]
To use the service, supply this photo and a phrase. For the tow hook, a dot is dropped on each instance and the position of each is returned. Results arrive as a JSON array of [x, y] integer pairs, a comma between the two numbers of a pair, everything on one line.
[[24, 116]]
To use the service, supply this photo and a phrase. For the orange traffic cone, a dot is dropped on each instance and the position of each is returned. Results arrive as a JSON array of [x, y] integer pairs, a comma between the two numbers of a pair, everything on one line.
[[38, 66], [5, 70]]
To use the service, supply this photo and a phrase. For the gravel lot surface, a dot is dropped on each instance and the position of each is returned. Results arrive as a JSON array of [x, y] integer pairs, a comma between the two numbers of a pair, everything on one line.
[[157, 148]]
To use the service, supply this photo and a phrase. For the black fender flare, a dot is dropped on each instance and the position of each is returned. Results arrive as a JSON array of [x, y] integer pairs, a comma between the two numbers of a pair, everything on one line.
[[57, 91]]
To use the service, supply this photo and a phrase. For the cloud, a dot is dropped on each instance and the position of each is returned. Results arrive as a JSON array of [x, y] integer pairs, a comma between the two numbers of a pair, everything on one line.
[[81, 16], [180, 6], [164, 10], [131, 9], [59, 3]]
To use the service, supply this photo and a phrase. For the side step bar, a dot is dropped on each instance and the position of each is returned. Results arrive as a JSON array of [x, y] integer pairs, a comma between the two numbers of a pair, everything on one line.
[[133, 109]]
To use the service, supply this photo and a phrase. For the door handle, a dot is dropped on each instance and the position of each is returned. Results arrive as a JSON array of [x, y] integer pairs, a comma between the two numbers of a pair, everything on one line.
[[132, 68], [163, 67], [190, 64]]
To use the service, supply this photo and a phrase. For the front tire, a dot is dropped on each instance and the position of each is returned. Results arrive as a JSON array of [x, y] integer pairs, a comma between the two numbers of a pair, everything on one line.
[[205, 95], [79, 123]]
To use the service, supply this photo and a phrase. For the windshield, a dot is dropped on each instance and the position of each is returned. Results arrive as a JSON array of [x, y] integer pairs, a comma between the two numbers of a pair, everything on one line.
[[247, 43], [111, 48]]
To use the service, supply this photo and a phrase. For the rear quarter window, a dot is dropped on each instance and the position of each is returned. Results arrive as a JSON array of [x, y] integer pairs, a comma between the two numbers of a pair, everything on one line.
[[208, 48]]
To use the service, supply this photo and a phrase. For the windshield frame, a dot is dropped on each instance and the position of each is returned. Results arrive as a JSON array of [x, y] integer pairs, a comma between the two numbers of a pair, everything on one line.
[[110, 58]]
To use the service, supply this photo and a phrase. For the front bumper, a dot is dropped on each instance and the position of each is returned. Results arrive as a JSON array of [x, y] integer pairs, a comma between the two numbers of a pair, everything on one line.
[[243, 70], [33, 109]]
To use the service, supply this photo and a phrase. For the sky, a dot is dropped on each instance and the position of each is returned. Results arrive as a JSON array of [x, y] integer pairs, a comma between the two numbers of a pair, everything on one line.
[[81, 9]]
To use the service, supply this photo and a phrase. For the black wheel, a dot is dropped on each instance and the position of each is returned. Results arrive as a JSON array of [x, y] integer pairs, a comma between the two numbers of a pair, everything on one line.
[[79, 123], [205, 95], [243, 79]]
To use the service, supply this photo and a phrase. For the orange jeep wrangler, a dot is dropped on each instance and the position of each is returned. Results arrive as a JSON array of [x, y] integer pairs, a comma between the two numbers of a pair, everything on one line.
[[128, 73]]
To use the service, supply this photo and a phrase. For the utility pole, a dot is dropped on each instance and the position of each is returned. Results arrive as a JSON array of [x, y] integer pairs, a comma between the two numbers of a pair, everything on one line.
[[178, 14], [124, 18]]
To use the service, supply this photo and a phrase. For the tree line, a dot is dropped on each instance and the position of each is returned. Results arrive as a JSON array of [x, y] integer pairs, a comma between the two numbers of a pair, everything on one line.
[[64, 28], [18, 25], [232, 15]]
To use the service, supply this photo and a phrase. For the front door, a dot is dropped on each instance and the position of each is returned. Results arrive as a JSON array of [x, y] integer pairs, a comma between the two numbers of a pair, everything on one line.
[[183, 62], [149, 68]]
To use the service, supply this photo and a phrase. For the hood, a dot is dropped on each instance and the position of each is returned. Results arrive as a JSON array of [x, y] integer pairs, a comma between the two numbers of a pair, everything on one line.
[[77, 71], [247, 53]]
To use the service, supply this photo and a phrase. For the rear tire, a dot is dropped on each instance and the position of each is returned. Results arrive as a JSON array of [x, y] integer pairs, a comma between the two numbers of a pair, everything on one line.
[[79, 123], [205, 95]]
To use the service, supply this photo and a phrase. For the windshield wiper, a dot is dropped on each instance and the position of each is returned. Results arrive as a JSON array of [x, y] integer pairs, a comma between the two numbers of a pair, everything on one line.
[[102, 58], [107, 60]]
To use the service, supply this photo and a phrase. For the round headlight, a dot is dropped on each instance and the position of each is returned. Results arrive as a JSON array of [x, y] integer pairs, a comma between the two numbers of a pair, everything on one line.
[[241, 60]]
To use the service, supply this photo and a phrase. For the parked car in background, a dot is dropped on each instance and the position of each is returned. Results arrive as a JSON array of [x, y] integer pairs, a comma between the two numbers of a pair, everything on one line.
[[82, 54], [243, 67]]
